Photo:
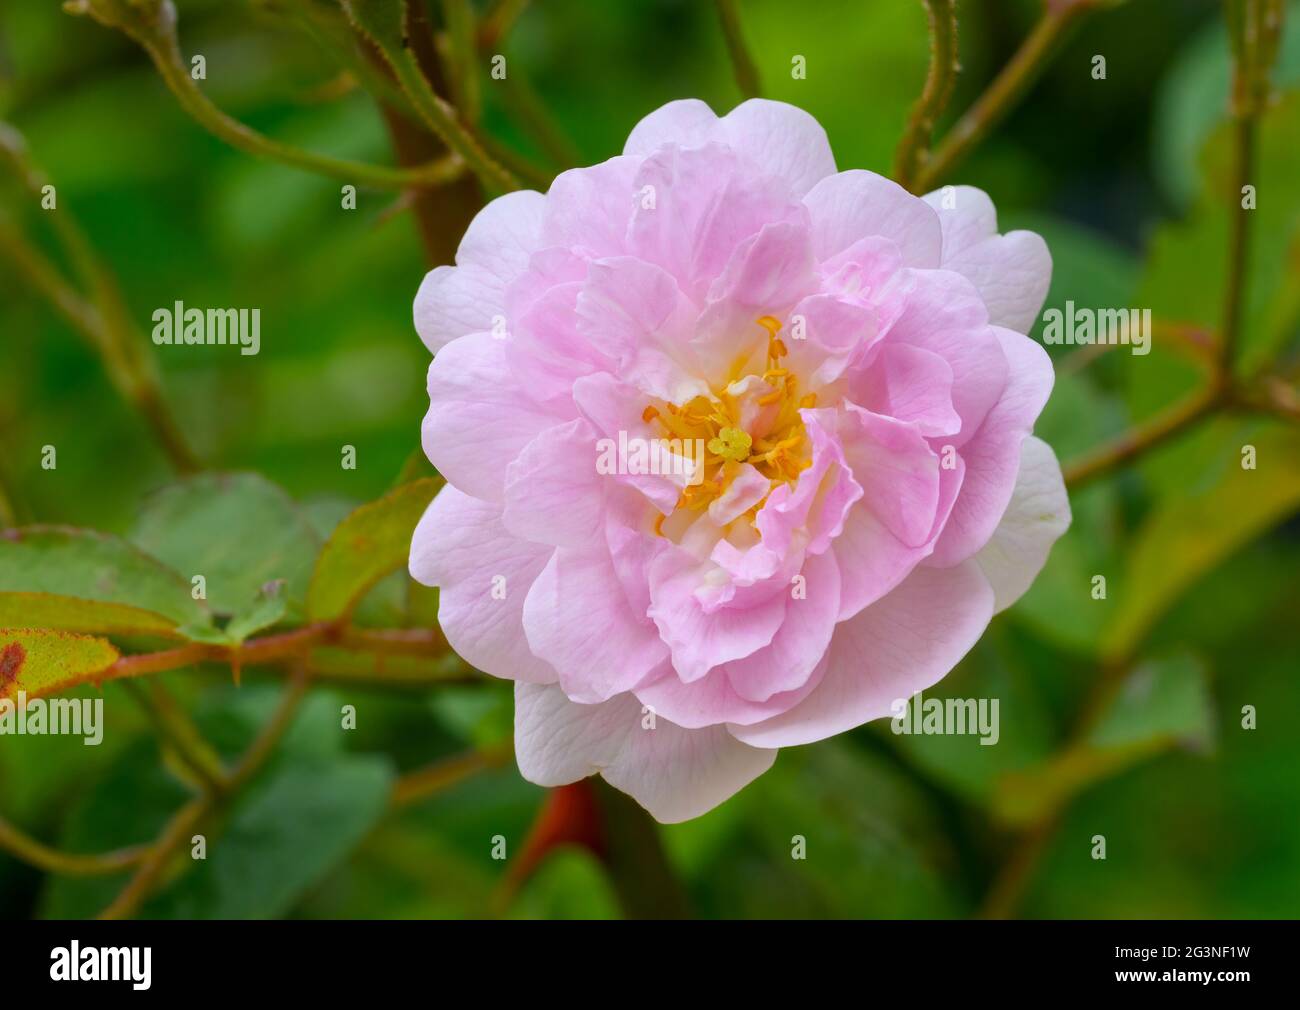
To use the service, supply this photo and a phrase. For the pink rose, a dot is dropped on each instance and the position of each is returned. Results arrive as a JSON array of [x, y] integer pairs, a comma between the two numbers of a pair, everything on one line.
[[852, 360]]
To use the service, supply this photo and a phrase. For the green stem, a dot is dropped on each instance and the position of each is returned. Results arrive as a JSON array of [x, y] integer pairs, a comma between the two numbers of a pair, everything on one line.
[[41, 856], [1005, 90], [741, 61], [177, 729], [154, 28], [913, 148]]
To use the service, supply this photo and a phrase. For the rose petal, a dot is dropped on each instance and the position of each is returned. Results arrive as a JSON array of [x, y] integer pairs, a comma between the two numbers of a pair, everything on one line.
[[899, 645], [674, 773], [483, 575], [1038, 514]]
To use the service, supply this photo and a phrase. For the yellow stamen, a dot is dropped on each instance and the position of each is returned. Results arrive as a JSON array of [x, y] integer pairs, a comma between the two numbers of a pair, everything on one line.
[[731, 443]]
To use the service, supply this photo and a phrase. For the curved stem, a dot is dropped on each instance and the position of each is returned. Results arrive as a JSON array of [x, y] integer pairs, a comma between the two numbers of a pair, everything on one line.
[[154, 28], [741, 61], [421, 784], [1005, 91], [913, 148], [1142, 438], [41, 856]]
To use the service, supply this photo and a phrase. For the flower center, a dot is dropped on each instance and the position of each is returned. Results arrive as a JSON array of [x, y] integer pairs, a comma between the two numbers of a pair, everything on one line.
[[753, 420]]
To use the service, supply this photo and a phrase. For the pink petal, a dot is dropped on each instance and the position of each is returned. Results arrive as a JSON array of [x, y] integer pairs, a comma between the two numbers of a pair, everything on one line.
[[943, 314], [459, 300], [675, 773], [483, 575], [588, 209], [612, 407], [858, 204], [897, 470], [696, 206], [700, 639], [782, 140], [478, 421], [711, 700], [1012, 271], [577, 618], [1038, 514], [910, 384], [687, 122], [553, 494], [992, 456], [635, 312], [899, 645], [797, 648]]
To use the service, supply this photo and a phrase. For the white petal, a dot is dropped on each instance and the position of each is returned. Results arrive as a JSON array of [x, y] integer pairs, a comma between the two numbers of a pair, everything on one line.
[[1037, 516], [674, 773], [455, 301], [1011, 271]]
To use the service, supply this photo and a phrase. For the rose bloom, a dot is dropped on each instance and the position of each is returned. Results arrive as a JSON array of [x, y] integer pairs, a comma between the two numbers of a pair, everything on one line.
[[853, 360]]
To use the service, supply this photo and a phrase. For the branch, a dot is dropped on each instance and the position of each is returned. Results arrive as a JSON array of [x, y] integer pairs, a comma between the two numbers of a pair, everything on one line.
[[177, 729], [1058, 17], [1142, 438], [1255, 27], [100, 316], [387, 26], [190, 816], [37, 854], [152, 24], [419, 785], [914, 147], [742, 63]]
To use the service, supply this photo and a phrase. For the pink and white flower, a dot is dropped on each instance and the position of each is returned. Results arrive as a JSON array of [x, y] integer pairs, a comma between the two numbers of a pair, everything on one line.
[[854, 358]]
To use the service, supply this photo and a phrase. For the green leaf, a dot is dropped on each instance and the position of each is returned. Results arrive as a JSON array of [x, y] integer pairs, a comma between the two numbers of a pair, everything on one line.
[[1193, 99], [1162, 703], [80, 580], [295, 821], [872, 841], [284, 833], [1188, 534], [40, 662], [239, 531], [267, 609], [371, 542]]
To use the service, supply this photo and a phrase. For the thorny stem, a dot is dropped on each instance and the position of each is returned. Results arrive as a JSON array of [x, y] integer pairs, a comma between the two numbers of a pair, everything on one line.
[[441, 119], [741, 61], [913, 148], [157, 36], [1058, 17]]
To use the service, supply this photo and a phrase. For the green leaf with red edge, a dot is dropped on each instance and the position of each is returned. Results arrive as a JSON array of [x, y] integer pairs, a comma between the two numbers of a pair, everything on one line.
[[371, 542], [79, 580], [40, 661]]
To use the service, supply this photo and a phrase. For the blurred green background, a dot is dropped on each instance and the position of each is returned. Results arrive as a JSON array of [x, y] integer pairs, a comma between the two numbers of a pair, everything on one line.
[[1201, 558]]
